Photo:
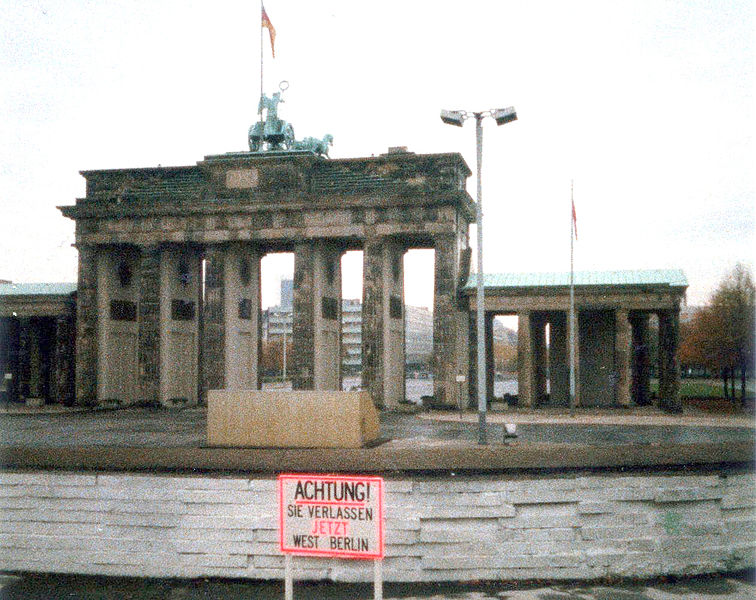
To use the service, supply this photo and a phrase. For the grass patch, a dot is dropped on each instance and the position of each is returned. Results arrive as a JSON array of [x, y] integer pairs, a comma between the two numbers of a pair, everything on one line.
[[704, 388]]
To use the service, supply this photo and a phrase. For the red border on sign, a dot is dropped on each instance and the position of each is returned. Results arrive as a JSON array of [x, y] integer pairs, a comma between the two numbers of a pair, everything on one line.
[[330, 553]]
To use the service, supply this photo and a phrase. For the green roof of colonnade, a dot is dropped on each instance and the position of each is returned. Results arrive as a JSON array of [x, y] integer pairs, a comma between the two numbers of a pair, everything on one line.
[[674, 278], [37, 289]]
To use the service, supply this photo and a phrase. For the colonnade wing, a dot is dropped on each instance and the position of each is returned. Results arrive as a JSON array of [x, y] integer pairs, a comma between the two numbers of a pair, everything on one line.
[[611, 350]]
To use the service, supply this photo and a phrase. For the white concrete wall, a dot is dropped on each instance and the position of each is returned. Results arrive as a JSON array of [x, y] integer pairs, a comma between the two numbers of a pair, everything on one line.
[[461, 528]]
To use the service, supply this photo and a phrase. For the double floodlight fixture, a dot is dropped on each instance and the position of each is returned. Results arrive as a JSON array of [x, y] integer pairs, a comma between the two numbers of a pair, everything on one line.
[[502, 116], [458, 118]]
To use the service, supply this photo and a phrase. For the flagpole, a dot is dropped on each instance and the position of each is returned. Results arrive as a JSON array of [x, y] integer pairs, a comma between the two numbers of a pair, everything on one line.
[[572, 298], [262, 92]]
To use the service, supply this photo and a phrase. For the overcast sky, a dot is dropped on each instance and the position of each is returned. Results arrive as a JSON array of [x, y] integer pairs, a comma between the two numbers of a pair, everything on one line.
[[647, 106]]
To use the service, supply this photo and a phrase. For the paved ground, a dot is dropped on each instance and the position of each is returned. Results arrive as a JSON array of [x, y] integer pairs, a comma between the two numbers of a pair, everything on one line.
[[171, 428], [39, 587]]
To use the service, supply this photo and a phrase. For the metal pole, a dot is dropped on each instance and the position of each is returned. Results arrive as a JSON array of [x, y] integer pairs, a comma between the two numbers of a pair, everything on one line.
[[480, 316], [288, 578], [283, 378], [572, 303], [262, 122]]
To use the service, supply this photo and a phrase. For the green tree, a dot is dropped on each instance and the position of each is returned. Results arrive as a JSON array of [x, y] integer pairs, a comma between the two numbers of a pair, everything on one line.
[[734, 301]]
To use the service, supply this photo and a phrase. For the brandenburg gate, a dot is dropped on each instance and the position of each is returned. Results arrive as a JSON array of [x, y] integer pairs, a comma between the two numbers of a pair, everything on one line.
[[169, 270]]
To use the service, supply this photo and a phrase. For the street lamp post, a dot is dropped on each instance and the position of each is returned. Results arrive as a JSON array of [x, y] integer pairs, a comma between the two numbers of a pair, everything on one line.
[[457, 118]]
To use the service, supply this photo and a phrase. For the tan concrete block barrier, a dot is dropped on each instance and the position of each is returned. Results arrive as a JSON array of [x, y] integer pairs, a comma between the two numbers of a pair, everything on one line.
[[283, 419]]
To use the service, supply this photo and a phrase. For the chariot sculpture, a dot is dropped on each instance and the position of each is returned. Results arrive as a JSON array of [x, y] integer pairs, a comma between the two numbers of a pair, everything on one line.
[[273, 134]]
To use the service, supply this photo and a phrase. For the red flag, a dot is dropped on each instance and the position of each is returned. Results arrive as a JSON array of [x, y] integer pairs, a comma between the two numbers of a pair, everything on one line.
[[271, 30], [574, 219]]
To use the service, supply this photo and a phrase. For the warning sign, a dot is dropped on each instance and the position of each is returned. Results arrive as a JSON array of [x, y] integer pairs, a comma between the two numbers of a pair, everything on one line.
[[331, 515]]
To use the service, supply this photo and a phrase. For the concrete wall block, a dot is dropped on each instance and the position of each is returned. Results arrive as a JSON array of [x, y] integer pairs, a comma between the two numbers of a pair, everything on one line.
[[73, 544], [630, 494], [633, 564], [739, 497], [615, 520], [262, 485], [617, 533], [459, 486], [622, 546], [214, 547], [46, 478], [527, 547], [458, 499], [451, 562], [214, 560], [266, 535], [745, 526], [673, 545], [219, 510], [407, 523], [545, 521], [267, 548], [174, 483], [51, 516], [543, 496], [596, 508], [745, 479], [441, 533], [546, 535], [49, 491], [245, 497], [56, 529], [468, 512], [687, 494], [215, 522], [397, 486], [222, 535], [138, 520], [135, 494], [401, 537], [267, 561]]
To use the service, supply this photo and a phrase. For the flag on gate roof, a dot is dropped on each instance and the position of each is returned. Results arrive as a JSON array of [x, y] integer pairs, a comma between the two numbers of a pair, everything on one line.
[[574, 219], [271, 30]]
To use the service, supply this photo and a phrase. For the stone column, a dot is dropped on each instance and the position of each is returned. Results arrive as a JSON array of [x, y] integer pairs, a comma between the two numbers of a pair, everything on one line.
[[559, 368], [538, 336], [149, 325], [383, 322], [622, 357], [445, 388], [34, 357], [525, 377], [180, 293], [86, 327], [213, 331], [577, 355], [372, 318], [326, 299], [117, 327], [63, 379], [241, 316], [24, 358], [303, 326], [669, 369], [640, 360], [490, 359]]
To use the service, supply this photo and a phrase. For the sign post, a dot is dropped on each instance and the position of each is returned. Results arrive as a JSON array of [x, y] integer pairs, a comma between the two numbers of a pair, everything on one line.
[[337, 516]]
